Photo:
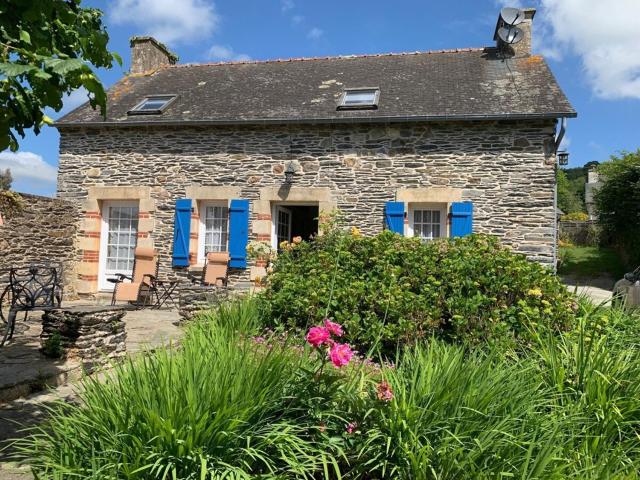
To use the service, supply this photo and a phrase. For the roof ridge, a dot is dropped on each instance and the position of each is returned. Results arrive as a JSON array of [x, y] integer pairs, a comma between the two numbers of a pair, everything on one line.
[[330, 57]]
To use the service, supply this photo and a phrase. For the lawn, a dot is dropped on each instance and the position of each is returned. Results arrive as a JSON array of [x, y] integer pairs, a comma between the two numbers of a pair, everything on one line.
[[589, 262]]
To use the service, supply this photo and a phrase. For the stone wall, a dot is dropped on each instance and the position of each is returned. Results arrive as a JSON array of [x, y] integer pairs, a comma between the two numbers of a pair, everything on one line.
[[44, 230], [503, 167], [94, 335], [579, 233]]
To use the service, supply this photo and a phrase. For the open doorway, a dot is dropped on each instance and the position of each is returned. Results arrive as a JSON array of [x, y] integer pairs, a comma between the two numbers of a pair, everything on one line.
[[290, 221]]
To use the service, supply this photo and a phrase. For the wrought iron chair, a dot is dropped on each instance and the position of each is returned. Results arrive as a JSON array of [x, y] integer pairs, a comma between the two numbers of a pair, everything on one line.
[[36, 287]]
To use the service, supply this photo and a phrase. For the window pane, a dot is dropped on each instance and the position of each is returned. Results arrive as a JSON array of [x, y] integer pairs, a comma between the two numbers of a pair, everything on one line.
[[216, 225], [121, 238], [360, 97], [154, 103]]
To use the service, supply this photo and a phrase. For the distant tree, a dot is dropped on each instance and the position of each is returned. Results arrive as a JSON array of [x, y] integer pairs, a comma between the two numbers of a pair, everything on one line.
[[618, 203], [46, 47], [5, 180], [568, 200]]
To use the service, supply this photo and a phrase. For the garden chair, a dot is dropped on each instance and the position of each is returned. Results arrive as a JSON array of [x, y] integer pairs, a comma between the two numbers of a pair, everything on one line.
[[142, 285], [215, 272]]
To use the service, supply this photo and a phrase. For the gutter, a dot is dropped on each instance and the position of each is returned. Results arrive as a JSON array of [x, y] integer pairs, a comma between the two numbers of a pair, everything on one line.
[[320, 120]]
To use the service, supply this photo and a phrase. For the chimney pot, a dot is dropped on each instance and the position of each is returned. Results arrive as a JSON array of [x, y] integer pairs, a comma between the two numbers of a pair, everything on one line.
[[523, 47], [148, 54]]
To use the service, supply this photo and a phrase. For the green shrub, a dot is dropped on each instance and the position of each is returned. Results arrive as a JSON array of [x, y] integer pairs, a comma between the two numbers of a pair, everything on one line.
[[618, 204], [228, 405], [52, 346], [574, 217], [395, 289], [565, 408]]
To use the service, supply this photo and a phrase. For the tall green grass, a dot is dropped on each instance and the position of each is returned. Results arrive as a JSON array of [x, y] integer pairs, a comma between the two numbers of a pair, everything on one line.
[[566, 407], [219, 407]]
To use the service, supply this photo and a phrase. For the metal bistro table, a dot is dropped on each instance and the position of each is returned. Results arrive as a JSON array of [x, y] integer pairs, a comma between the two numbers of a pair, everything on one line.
[[36, 287], [165, 293]]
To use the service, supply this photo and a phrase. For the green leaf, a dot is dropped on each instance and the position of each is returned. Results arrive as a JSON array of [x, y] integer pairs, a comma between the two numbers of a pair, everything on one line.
[[25, 37], [117, 58], [15, 69], [64, 66]]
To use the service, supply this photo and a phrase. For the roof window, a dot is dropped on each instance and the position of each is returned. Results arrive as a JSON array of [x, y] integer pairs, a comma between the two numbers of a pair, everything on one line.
[[151, 105], [359, 98]]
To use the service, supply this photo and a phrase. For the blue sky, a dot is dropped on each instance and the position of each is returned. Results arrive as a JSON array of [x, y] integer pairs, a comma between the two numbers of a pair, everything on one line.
[[588, 44]]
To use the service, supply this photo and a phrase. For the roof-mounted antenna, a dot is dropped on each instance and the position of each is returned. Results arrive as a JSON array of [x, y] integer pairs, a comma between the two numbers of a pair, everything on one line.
[[509, 33], [512, 16]]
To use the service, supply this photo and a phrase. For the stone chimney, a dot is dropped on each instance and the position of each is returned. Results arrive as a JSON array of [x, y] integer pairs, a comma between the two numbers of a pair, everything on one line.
[[148, 54], [523, 47]]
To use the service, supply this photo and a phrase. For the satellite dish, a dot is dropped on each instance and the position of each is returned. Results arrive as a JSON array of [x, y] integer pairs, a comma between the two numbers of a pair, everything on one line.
[[510, 35], [512, 16]]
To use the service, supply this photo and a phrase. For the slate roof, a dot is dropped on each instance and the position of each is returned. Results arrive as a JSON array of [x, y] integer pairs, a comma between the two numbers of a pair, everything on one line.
[[462, 84]]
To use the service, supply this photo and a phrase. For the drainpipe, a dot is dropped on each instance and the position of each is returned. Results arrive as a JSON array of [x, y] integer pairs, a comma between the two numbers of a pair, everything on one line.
[[555, 218], [563, 127]]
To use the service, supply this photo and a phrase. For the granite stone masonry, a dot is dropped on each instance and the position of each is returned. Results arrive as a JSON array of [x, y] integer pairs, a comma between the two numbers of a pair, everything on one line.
[[506, 168], [43, 231], [93, 335]]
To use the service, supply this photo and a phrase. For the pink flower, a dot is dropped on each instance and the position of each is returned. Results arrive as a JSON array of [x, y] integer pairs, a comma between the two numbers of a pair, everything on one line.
[[333, 327], [384, 392], [351, 427], [340, 354], [258, 340], [317, 336]]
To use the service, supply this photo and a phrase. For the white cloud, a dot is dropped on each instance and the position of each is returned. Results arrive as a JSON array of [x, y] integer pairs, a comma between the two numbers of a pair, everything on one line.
[[286, 5], [606, 37], [166, 20], [28, 167], [603, 35], [297, 19], [315, 33], [224, 53]]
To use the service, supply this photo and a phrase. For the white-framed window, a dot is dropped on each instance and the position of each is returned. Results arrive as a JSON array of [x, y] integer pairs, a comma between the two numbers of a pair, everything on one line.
[[428, 221], [153, 104], [118, 240], [214, 228], [357, 98]]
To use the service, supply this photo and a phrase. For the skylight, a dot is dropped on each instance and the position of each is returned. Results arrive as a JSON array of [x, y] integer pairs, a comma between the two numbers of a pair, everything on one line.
[[152, 105], [359, 98]]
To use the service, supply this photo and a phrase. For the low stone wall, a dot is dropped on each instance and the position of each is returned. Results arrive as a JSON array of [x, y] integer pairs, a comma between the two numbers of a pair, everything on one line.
[[579, 233], [195, 299], [44, 230], [92, 334]]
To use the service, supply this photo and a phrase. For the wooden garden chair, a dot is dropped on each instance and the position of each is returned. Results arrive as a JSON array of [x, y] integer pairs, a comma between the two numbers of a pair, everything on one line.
[[142, 285]]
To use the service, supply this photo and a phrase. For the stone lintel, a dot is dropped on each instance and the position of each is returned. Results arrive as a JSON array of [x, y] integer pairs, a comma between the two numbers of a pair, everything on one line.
[[429, 195]]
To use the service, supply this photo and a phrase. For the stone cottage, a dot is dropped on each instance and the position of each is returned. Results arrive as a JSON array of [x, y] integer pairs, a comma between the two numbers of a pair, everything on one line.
[[206, 157]]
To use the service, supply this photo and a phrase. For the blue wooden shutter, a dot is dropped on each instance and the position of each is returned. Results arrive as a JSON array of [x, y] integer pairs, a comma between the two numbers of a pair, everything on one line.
[[394, 216], [238, 233], [182, 232], [461, 219]]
